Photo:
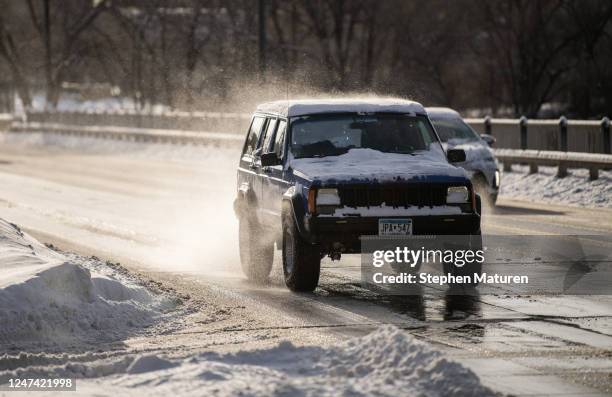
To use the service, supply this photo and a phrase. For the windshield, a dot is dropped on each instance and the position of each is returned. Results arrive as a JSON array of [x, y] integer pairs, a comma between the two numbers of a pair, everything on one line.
[[454, 129], [333, 135]]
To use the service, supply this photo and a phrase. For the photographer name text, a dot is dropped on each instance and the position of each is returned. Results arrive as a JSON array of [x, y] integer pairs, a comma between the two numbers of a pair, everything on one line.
[[445, 279]]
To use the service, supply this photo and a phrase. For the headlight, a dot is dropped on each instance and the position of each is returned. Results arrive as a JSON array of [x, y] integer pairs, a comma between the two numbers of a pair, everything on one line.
[[496, 178], [327, 201], [457, 195], [328, 197]]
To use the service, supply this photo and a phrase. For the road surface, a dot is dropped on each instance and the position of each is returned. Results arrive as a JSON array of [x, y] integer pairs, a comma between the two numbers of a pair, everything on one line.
[[164, 212]]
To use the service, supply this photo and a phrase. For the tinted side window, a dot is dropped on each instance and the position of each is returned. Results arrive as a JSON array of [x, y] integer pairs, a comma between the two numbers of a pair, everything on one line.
[[254, 134], [279, 142], [269, 137]]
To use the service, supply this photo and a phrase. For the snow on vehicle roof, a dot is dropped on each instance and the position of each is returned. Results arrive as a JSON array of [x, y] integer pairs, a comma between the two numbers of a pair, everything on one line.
[[302, 107], [442, 113]]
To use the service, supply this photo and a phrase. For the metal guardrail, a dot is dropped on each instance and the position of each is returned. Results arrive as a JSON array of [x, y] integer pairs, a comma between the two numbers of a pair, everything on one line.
[[563, 160], [134, 134], [184, 121], [588, 136]]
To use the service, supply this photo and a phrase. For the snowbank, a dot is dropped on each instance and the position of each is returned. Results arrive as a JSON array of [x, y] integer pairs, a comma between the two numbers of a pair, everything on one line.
[[386, 362], [574, 189], [49, 300]]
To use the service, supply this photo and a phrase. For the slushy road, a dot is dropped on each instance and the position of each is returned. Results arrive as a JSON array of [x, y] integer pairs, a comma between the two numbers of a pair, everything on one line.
[[166, 211]]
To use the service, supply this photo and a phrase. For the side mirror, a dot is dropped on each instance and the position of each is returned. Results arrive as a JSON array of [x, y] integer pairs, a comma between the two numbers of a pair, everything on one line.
[[269, 159], [455, 155], [489, 139]]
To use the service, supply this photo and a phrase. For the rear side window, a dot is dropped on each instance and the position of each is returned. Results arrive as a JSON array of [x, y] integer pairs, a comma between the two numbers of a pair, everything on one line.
[[254, 134], [269, 137], [279, 142]]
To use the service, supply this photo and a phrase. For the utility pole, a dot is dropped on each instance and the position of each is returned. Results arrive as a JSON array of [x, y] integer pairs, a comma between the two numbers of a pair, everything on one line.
[[262, 38]]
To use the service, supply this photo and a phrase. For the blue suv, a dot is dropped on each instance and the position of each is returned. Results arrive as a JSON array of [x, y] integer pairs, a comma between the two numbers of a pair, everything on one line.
[[315, 175]]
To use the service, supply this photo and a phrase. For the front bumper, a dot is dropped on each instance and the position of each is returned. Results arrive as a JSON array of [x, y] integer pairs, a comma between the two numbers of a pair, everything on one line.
[[331, 233]]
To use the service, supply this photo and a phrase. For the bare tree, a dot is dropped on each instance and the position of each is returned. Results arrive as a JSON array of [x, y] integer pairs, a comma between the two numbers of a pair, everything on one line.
[[10, 53], [73, 24], [530, 41], [485, 54]]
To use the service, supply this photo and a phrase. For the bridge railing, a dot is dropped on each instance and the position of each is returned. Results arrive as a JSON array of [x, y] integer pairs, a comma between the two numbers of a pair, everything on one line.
[[563, 160], [134, 133], [587, 136], [188, 121]]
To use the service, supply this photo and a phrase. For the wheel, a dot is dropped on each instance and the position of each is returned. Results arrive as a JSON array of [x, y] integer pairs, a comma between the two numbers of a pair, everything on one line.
[[256, 252], [301, 261]]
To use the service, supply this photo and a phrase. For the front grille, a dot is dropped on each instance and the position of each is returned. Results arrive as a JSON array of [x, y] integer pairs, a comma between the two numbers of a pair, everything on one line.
[[397, 195]]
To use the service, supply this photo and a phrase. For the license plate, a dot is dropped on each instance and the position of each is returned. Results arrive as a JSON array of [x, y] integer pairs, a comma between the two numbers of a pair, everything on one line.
[[394, 227]]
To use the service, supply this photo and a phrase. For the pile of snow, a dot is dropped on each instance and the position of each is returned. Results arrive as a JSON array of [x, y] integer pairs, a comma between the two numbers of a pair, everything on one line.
[[368, 164], [384, 363], [574, 189], [49, 300], [374, 104]]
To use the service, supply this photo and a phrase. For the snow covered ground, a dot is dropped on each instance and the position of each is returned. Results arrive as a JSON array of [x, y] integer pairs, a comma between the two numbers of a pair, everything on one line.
[[155, 202], [53, 301], [385, 362], [544, 186], [92, 145]]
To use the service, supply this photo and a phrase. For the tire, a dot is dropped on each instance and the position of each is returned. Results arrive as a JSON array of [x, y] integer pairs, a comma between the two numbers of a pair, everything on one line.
[[256, 252], [301, 260]]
